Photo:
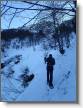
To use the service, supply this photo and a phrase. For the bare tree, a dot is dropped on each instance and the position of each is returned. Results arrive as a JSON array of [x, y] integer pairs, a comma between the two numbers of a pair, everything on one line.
[[54, 7]]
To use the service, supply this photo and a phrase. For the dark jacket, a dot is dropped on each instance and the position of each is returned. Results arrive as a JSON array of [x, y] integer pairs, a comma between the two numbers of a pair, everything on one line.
[[50, 61]]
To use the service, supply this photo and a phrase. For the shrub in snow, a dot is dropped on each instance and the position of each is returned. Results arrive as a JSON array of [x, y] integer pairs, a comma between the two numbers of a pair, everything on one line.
[[26, 79], [62, 51]]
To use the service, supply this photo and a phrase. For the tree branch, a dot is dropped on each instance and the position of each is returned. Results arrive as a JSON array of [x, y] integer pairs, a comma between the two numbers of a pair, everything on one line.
[[4, 6], [15, 12], [63, 9], [33, 5], [48, 7], [12, 19], [31, 19], [5, 11]]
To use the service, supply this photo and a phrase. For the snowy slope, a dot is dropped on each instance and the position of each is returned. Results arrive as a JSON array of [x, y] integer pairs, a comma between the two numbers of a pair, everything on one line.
[[64, 89], [64, 75]]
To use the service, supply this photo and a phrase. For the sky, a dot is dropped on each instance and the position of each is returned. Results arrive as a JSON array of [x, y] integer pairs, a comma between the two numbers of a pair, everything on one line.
[[17, 21], [23, 17]]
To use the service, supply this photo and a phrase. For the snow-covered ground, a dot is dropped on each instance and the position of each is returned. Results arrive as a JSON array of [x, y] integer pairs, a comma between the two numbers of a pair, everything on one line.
[[64, 75]]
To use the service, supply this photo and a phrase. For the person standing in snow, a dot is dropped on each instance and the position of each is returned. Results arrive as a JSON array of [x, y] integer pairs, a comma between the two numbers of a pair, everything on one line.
[[50, 64]]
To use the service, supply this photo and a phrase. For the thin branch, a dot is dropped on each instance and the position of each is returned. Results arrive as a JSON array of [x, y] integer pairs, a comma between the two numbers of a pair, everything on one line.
[[65, 3], [19, 16], [16, 12], [40, 20], [24, 8], [12, 19], [38, 4], [5, 11], [31, 19], [33, 5], [34, 21], [72, 7], [51, 8], [63, 9], [67, 13], [2, 8]]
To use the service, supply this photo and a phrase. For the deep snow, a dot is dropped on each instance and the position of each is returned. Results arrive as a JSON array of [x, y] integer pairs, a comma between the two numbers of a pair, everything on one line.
[[37, 90]]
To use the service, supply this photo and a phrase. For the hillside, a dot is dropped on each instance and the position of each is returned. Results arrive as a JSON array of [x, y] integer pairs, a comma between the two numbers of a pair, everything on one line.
[[32, 58]]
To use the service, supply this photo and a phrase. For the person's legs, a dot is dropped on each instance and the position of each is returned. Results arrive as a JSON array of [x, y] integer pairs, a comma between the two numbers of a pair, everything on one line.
[[51, 77], [47, 75]]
